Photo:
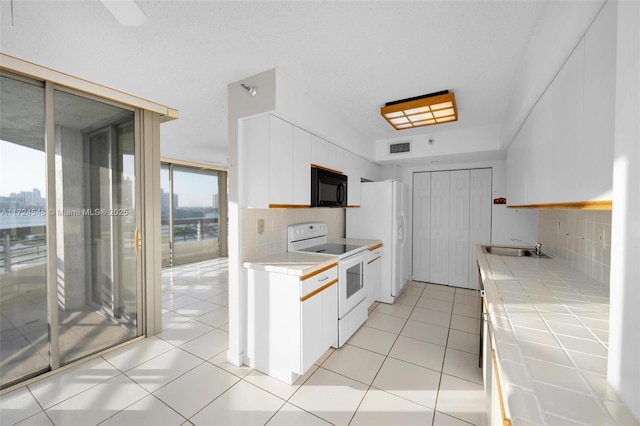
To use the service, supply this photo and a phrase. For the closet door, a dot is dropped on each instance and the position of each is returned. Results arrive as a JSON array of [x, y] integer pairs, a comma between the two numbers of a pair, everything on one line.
[[459, 228], [439, 256], [480, 218], [421, 225]]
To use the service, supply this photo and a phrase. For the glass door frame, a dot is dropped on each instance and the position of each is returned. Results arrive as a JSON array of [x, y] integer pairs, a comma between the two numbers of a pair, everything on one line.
[[52, 209], [222, 179], [148, 117]]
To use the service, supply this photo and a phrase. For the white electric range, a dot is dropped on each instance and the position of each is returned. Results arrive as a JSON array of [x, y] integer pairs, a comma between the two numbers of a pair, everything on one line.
[[352, 306]]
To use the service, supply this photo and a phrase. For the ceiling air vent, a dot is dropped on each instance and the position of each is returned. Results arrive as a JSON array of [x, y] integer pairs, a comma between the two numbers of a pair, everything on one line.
[[399, 147]]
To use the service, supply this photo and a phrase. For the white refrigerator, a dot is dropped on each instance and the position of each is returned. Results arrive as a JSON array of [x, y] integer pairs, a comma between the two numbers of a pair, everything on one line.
[[382, 215]]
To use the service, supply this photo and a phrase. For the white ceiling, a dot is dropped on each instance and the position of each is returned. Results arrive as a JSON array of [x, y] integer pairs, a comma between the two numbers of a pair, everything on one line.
[[352, 56]]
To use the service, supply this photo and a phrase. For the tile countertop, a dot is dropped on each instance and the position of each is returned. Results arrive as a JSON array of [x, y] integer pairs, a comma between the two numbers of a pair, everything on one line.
[[550, 325], [292, 263], [301, 264]]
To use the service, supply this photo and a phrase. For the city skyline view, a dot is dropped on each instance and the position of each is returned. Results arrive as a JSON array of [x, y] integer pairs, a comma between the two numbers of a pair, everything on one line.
[[14, 160]]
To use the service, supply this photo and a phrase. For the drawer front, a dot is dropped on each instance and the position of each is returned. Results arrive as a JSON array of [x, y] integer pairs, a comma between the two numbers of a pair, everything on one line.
[[317, 280], [375, 253]]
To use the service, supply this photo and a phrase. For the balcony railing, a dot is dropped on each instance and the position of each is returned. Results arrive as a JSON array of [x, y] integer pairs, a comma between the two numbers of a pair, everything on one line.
[[21, 251]]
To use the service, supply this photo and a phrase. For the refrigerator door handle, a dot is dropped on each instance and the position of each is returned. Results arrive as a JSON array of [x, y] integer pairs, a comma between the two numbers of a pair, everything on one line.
[[401, 229]]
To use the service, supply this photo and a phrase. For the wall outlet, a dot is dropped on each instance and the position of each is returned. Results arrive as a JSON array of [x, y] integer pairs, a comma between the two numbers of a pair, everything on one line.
[[260, 226]]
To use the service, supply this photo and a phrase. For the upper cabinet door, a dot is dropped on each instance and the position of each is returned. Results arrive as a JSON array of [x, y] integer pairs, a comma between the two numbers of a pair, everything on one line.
[[564, 151], [301, 167], [255, 158], [599, 101], [280, 161], [567, 127]]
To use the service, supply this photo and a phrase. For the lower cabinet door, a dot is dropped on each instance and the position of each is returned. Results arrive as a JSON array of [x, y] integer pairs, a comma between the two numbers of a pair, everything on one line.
[[329, 318], [319, 315], [311, 337]]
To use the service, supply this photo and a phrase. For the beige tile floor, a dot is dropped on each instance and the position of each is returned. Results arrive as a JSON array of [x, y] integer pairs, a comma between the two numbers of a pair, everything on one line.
[[413, 362]]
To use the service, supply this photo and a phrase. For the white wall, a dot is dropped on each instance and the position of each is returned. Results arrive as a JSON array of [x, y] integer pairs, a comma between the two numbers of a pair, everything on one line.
[[624, 321], [445, 143], [298, 107]]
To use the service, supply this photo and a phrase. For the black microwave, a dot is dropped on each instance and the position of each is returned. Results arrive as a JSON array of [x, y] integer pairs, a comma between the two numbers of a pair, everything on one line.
[[328, 189]]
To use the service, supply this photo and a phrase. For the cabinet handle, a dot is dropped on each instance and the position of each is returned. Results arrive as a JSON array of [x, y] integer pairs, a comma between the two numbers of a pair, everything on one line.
[[326, 277]]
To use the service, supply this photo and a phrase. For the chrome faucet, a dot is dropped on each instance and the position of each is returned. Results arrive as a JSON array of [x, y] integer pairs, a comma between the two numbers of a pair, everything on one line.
[[538, 246]]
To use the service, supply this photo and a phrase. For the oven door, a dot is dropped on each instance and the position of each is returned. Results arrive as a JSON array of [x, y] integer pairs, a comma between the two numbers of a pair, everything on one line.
[[351, 290]]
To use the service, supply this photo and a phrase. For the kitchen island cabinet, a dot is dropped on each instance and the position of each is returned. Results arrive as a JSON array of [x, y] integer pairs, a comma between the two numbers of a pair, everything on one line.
[[292, 316]]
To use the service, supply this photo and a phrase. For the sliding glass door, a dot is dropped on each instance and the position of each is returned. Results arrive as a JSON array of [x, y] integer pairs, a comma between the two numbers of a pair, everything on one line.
[[70, 280], [24, 336], [96, 225], [191, 212]]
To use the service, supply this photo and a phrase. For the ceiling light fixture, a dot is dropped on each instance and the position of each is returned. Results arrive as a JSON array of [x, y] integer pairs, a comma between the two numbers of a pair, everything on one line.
[[252, 90], [127, 12], [425, 110]]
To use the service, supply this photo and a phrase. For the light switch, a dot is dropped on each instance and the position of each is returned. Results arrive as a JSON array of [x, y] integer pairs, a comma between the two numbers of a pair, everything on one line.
[[260, 226]]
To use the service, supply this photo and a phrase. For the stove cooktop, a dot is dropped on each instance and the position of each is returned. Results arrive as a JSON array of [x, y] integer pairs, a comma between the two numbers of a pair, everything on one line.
[[333, 248]]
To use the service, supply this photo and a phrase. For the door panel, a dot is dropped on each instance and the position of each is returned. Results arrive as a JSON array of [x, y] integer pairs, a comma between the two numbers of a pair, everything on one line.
[[24, 336], [439, 256], [459, 229], [421, 226], [97, 283]]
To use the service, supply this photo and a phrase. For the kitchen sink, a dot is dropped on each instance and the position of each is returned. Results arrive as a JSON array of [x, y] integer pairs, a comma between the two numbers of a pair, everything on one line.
[[514, 251]]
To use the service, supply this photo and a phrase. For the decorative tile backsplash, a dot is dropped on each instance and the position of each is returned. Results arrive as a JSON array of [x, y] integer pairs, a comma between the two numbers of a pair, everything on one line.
[[274, 238], [580, 237]]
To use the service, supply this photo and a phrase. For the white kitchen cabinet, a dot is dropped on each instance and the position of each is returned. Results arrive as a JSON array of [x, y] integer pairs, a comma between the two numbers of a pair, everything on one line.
[[355, 169], [599, 104], [567, 126], [326, 155], [291, 321], [301, 167], [373, 274], [278, 163], [280, 156], [564, 151], [255, 150], [494, 401]]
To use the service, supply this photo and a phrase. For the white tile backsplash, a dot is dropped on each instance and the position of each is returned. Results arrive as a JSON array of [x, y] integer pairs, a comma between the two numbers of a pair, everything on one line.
[[274, 238], [582, 238]]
